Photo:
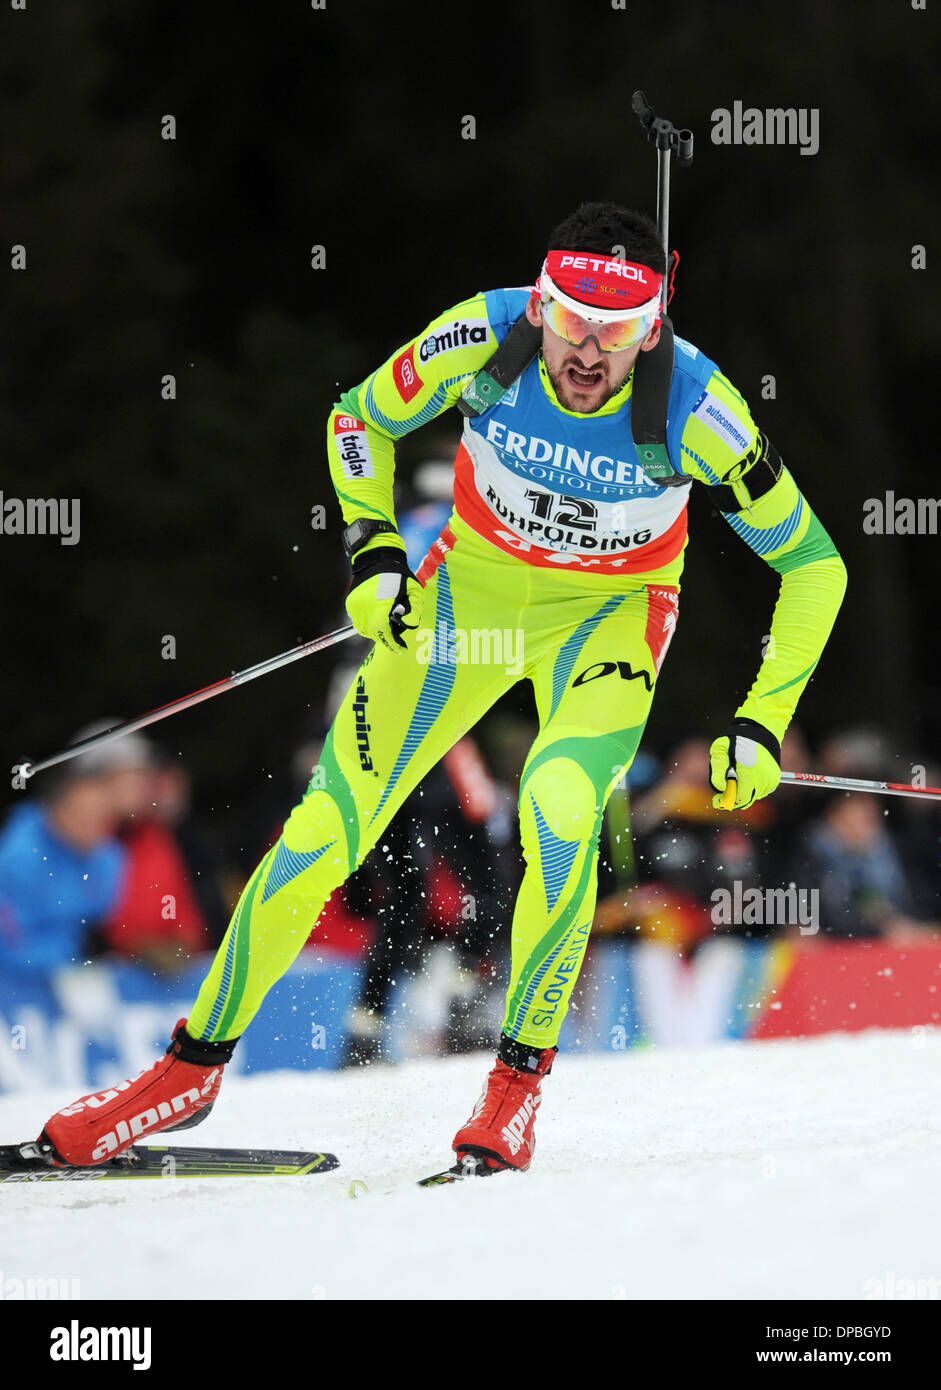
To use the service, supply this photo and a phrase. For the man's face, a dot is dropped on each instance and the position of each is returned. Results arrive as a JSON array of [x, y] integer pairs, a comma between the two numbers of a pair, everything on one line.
[[584, 377]]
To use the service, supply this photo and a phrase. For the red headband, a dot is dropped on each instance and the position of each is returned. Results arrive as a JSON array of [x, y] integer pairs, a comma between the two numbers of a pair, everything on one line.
[[602, 282]]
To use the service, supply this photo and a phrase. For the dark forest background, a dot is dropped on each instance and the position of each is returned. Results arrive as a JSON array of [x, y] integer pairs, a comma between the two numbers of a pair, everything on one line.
[[342, 127]]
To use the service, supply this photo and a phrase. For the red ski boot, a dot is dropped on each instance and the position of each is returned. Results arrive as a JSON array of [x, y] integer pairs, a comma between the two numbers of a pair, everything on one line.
[[501, 1131], [177, 1092]]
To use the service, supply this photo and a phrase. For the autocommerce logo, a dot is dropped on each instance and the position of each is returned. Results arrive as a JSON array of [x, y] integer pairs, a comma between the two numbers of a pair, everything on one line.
[[709, 410]]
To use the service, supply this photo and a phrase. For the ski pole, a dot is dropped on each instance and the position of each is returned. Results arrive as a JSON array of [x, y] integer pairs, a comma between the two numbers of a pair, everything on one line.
[[849, 784], [26, 769]]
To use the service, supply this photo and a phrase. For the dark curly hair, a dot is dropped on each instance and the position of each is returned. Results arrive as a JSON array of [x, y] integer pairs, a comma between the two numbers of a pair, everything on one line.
[[599, 227]]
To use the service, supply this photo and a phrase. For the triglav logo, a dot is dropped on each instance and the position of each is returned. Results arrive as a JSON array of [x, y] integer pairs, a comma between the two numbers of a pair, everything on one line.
[[349, 436], [749, 125]]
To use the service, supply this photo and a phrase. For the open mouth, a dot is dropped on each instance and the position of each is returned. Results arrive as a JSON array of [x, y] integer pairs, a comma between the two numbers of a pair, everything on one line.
[[582, 380]]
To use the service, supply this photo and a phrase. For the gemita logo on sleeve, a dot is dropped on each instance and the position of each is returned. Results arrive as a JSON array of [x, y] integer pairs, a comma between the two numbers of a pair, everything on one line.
[[407, 381], [461, 333]]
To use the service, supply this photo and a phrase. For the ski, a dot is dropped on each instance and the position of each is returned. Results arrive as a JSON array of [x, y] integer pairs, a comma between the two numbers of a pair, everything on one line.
[[466, 1167], [27, 1163]]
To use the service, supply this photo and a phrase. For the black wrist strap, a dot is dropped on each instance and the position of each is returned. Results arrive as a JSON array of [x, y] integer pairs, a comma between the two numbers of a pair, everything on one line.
[[384, 559], [750, 728]]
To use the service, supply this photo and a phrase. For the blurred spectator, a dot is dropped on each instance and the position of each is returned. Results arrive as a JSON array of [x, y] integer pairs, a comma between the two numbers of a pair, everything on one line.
[[170, 904], [792, 806], [858, 751], [61, 867], [853, 860], [919, 842], [172, 798], [684, 849]]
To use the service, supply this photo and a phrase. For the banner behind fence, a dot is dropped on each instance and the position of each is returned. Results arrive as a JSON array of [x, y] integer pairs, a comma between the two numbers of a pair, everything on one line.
[[88, 1026]]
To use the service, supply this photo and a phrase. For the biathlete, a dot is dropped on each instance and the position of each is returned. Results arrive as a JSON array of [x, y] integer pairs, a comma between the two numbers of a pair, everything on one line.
[[559, 537]]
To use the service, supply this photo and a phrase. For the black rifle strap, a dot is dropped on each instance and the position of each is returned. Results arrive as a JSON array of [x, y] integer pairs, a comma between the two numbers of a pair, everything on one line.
[[650, 396], [653, 372], [498, 374]]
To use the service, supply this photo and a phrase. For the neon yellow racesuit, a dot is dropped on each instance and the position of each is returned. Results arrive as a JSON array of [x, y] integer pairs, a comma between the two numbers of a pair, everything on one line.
[[561, 563]]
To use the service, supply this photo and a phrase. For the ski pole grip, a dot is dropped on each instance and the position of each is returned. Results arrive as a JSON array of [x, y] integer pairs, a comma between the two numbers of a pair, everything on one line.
[[728, 796]]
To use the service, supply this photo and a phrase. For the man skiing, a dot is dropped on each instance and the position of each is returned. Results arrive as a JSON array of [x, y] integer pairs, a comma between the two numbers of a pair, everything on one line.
[[557, 533]]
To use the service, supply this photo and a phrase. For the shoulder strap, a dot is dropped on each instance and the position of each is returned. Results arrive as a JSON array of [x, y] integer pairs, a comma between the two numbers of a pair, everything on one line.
[[498, 374], [650, 396]]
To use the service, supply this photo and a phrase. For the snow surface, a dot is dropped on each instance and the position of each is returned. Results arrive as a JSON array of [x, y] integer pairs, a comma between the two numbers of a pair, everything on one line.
[[803, 1169]]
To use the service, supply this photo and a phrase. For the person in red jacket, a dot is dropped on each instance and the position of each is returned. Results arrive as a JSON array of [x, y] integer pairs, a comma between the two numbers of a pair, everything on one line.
[[159, 918]]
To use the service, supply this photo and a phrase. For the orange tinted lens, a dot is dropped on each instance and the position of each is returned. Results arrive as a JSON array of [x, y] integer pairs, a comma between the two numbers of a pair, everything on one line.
[[611, 336]]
